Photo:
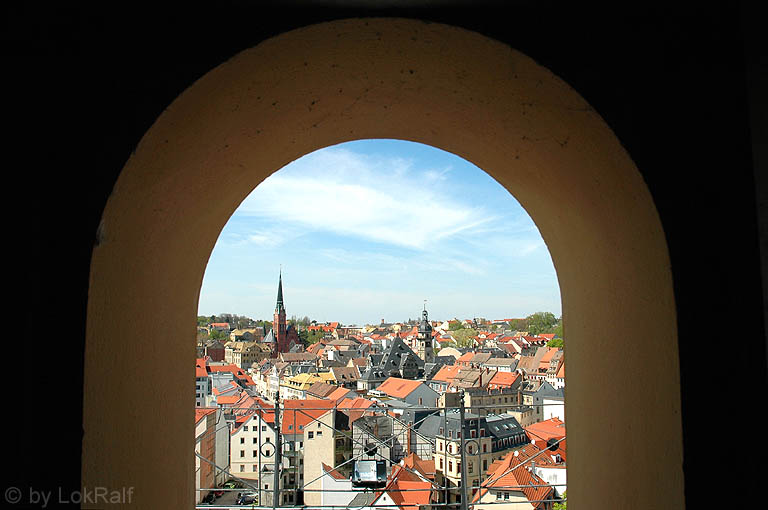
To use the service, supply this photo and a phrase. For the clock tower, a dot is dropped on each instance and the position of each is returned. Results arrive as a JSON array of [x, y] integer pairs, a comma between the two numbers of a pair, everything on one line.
[[424, 339]]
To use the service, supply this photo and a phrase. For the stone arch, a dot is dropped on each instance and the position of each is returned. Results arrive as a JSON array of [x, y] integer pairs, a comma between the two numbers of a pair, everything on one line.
[[384, 78]]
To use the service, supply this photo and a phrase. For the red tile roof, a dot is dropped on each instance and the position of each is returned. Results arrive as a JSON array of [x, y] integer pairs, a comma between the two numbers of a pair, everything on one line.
[[299, 413], [446, 373], [466, 357], [201, 412], [416, 463], [512, 474], [407, 490], [398, 388], [331, 471], [541, 432], [503, 380], [339, 394]]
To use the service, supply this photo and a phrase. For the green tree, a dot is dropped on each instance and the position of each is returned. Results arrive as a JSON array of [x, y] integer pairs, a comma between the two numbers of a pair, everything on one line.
[[541, 322], [464, 336], [455, 326], [218, 335], [555, 342], [314, 336], [562, 505]]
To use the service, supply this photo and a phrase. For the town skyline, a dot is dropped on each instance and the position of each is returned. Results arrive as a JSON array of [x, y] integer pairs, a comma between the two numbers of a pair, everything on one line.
[[367, 230]]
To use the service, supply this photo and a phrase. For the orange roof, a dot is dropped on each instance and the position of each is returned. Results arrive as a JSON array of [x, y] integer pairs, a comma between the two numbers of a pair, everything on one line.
[[398, 388], [553, 428], [298, 413], [407, 490], [503, 379], [201, 412], [331, 471], [466, 357], [416, 463], [513, 471], [544, 361], [339, 393], [561, 371], [446, 373]]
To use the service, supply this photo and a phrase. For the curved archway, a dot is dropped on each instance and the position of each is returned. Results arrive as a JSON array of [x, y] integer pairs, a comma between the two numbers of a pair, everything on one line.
[[385, 78]]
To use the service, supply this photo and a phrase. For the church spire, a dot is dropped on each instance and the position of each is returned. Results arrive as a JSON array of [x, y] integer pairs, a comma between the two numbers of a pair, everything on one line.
[[279, 307]]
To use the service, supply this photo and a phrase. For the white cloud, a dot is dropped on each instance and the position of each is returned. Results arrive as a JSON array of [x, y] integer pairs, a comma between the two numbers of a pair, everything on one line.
[[379, 199]]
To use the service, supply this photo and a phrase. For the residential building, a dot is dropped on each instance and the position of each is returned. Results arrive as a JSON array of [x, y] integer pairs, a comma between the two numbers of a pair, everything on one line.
[[512, 485], [485, 438], [205, 446], [412, 392]]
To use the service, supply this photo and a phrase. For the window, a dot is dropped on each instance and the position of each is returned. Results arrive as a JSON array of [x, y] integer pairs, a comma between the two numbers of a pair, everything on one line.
[[245, 428], [269, 440], [255, 440], [242, 440], [242, 453], [263, 428], [319, 433], [242, 468], [441, 463], [310, 435], [255, 453], [255, 468]]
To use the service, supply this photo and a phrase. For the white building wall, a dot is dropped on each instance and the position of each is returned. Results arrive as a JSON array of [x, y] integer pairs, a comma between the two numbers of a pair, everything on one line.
[[553, 409], [244, 463], [335, 498], [553, 476]]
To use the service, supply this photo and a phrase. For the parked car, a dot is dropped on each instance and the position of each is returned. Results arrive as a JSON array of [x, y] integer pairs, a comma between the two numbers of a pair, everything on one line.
[[247, 498], [209, 498]]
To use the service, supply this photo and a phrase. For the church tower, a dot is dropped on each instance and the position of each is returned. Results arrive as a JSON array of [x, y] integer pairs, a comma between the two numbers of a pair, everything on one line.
[[424, 339], [279, 328]]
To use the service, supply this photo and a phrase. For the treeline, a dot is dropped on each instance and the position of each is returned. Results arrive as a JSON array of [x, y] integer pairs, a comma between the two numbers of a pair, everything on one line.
[[539, 323], [242, 322], [535, 324], [235, 321]]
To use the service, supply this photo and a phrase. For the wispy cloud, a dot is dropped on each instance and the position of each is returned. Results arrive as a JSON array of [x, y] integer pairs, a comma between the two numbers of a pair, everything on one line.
[[379, 199]]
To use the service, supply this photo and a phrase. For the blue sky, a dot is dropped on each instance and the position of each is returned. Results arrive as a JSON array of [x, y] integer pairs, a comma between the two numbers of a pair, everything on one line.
[[368, 230]]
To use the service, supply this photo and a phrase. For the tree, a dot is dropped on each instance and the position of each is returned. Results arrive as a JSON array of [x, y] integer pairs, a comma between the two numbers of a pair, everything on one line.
[[455, 326], [556, 342], [218, 335], [464, 337], [561, 505], [541, 322]]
